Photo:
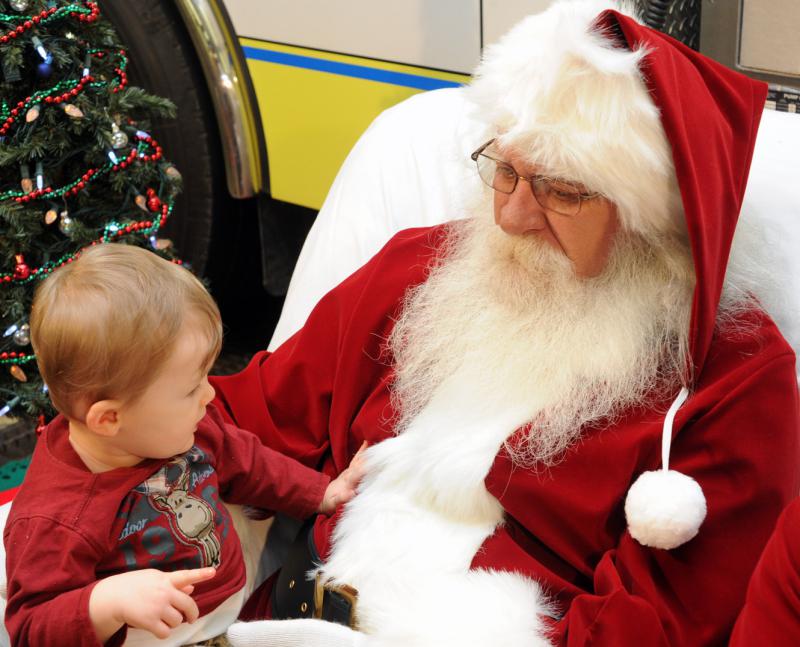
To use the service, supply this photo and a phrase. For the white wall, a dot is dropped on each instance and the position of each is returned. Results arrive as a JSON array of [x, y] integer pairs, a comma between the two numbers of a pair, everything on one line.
[[500, 15]]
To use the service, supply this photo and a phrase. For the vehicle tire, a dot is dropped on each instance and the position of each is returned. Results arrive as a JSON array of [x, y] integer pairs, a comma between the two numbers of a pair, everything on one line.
[[163, 62]]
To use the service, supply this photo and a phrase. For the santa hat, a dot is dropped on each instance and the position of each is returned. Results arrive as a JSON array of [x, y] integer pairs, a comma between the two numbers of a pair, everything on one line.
[[569, 96], [571, 99]]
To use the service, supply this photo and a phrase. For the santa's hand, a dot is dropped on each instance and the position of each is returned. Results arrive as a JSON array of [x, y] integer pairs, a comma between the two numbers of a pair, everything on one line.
[[150, 599], [343, 487]]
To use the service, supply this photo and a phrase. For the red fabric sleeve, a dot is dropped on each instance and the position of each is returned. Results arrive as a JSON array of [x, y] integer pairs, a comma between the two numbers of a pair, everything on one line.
[[289, 414], [286, 398], [51, 574], [253, 474], [743, 451], [771, 613]]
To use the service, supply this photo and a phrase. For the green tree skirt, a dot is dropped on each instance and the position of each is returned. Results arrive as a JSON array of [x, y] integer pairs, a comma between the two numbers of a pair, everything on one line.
[[12, 473]]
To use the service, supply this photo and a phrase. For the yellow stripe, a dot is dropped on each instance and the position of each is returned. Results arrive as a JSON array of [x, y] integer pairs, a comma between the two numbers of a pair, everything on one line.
[[312, 118]]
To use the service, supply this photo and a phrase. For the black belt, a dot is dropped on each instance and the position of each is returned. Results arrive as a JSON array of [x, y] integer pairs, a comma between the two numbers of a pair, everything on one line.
[[295, 596]]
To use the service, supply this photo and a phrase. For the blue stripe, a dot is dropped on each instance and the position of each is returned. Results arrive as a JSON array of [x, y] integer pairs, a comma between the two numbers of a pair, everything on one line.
[[346, 69]]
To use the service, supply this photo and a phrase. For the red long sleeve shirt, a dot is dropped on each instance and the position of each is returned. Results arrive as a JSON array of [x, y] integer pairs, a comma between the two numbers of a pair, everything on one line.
[[68, 527]]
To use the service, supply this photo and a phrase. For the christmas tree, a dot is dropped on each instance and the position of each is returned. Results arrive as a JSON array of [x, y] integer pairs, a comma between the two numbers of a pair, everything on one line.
[[77, 165]]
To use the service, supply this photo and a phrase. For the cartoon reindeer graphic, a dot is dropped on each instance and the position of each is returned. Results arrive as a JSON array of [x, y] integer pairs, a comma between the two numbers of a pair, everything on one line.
[[191, 518]]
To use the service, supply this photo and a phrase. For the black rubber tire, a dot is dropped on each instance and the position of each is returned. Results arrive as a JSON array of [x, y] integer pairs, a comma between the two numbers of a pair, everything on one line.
[[162, 61]]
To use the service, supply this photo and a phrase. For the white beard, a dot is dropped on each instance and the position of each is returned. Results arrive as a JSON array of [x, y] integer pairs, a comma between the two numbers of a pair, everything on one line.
[[497, 337], [510, 314]]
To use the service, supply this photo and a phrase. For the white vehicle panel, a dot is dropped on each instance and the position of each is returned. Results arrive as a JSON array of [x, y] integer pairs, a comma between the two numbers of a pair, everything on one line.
[[442, 34]]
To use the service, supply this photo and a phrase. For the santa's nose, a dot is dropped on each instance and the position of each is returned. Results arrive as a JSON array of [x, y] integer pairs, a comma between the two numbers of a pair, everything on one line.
[[519, 213]]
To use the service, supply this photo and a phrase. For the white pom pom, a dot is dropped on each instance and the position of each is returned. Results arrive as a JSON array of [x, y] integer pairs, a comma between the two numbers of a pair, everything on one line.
[[664, 509]]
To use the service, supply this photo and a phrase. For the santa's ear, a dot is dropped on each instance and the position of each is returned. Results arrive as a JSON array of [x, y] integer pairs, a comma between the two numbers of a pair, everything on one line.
[[103, 417]]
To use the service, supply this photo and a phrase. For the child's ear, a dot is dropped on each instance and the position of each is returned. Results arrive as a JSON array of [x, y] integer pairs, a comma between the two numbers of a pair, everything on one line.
[[102, 418]]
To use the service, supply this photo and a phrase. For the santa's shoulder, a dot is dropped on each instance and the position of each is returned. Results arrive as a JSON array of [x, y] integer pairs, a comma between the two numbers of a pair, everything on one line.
[[405, 260], [749, 345]]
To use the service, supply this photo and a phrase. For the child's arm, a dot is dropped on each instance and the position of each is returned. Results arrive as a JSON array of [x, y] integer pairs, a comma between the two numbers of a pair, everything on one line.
[[148, 599], [55, 599], [250, 473], [51, 573]]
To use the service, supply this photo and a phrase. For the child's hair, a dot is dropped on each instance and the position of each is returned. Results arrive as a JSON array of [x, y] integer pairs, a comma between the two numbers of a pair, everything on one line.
[[103, 326]]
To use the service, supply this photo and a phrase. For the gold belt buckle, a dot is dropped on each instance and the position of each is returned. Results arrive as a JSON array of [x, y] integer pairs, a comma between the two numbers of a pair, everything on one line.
[[319, 595], [347, 592]]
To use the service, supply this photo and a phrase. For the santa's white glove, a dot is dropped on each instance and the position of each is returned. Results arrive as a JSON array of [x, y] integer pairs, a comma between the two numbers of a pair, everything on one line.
[[293, 633]]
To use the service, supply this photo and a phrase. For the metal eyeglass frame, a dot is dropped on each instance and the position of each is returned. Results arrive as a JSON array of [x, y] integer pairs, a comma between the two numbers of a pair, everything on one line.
[[532, 180]]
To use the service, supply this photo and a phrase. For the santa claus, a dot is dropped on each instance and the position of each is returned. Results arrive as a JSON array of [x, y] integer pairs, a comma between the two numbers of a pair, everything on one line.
[[581, 431]]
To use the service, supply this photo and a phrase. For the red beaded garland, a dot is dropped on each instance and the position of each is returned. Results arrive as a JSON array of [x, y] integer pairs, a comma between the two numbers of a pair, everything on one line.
[[50, 99], [94, 13]]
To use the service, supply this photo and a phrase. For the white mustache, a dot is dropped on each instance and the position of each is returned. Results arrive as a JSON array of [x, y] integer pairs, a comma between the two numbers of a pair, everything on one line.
[[510, 313]]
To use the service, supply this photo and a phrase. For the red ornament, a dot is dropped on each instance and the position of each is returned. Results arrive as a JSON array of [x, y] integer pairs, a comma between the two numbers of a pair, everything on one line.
[[154, 204], [41, 426], [21, 271]]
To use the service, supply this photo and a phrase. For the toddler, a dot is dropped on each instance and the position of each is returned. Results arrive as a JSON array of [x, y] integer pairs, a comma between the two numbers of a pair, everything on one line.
[[120, 522]]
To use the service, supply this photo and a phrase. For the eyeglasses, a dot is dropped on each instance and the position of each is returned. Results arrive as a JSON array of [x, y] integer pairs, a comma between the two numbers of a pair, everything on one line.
[[552, 194]]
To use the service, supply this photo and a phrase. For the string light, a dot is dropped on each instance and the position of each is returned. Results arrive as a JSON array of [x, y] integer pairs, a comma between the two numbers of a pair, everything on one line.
[[39, 47], [9, 405], [147, 150], [66, 90]]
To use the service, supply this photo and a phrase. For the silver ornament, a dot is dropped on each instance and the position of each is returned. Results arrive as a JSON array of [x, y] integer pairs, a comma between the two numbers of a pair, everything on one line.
[[65, 225], [19, 5], [23, 336], [118, 138]]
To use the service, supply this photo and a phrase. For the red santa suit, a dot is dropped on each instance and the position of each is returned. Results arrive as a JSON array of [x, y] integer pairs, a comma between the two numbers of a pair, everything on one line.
[[771, 613], [327, 389]]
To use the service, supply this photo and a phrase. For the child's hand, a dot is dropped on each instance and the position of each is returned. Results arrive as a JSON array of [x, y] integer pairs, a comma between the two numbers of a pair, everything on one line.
[[148, 599], [343, 487]]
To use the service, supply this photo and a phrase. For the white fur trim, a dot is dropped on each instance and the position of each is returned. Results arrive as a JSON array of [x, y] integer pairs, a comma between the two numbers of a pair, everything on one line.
[[472, 609], [293, 633], [664, 509], [407, 540], [575, 105]]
